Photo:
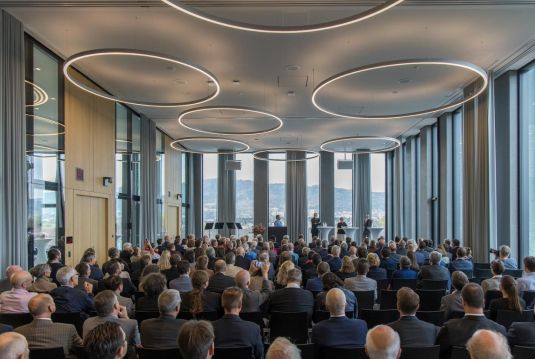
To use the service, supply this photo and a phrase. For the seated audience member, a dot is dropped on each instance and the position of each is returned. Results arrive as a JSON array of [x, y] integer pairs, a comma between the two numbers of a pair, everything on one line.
[[339, 330], [257, 278], [84, 275], [5, 284], [335, 263], [487, 344], [90, 258], [109, 310], [453, 302], [527, 282], [241, 261], [316, 284], [382, 342], [42, 282], [375, 272], [434, 271], [303, 258], [253, 300], [310, 268], [402, 248], [13, 346], [106, 341], [330, 281], [199, 299], [152, 285], [115, 284], [126, 253], [497, 269], [220, 281], [282, 274], [292, 298], [5, 328], [201, 263], [422, 254], [196, 340], [232, 269], [361, 283], [164, 263], [386, 262], [522, 333], [414, 261], [504, 253], [68, 299], [405, 271], [182, 283], [42, 333], [282, 348], [412, 331], [139, 266], [231, 330], [347, 270], [54, 261], [162, 332], [116, 267], [172, 273], [16, 300], [113, 254], [456, 332], [510, 299], [461, 262]]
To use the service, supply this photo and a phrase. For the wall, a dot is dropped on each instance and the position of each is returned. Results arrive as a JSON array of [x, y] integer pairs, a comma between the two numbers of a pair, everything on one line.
[[173, 187]]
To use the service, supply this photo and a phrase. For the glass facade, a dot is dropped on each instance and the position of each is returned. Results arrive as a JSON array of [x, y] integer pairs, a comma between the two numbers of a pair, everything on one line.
[[457, 174], [277, 188], [378, 195], [313, 191], [161, 231], [184, 174], [343, 191], [209, 187], [245, 192]]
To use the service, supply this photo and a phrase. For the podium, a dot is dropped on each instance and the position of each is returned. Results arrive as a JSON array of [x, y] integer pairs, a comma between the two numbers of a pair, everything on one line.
[[325, 231], [351, 232], [278, 232]]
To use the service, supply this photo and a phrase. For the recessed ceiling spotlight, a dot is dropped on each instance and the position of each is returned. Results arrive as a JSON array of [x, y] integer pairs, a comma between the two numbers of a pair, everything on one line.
[[53, 98], [236, 82], [37, 69], [292, 67], [405, 80], [291, 93]]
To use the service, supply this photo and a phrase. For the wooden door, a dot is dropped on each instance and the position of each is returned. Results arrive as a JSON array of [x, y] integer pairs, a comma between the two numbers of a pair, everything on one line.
[[173, 214], [90, 226]]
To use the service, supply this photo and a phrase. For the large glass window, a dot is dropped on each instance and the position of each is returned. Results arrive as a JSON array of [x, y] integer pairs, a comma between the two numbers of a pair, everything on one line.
[[378, 183], [185, 169], [458, 174], [160, 184], [209, 187], [45, 152], [343, 191], [313, 193], [245, 192], [277, 187]]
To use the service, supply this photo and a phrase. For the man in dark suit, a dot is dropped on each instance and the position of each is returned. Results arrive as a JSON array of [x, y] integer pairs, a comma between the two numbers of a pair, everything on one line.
[[54, 261], [231, 330], [241, 261], [84, 275], [90, 258], [253, 300], [434, 271], [412, 331], [162, 332], [292, 298], [106, 340], [339, 331], [68, 299], [310, 267], [456, 332], [316, 284], [42, 333], [522, 334], [219, 282], [453, 302], [183, 282]]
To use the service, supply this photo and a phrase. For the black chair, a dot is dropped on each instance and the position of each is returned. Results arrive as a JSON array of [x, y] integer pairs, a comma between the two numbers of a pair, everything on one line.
[[138, 295], [76, 319], [507, 317], [454, 315], [388, 299], [515, 273], [430, 299], [434, 284], [234, 353], [490, 295], [143, 315], [56, 353], [435, 317], [144, 353], [482, 273], [308, 351], [365, 300], [459, 353], [255, 317], [481, 265], [521, 352], [476, 280], [376, 317], [398, 283], [432, 352], [346, 353], [320, 315], [528, 296], [184, 314], [383, 283], [210, 316], [314, 293], [15, 319], [290, 325]]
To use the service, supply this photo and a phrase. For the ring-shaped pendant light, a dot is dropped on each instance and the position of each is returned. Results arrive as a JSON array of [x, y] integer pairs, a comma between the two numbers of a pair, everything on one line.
[[179, 5], [314, 154], [40, 96], [49, 121], [394, 143], [138, 53], [482, 74], [179, 145], [181, 120]]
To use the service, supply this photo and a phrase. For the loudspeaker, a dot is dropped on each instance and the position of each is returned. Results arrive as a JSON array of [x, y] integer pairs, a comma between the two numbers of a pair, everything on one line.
[[345, 164], [232, 165]]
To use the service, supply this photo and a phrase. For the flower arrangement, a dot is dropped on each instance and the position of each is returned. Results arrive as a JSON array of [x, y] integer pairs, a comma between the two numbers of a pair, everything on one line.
[[259, 229]]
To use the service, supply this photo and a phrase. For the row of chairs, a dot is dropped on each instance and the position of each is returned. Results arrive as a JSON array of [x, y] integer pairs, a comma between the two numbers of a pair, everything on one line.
[[18, 319]]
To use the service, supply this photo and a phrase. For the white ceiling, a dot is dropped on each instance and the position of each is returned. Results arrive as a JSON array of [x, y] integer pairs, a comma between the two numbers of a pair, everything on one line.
[[483, 34]]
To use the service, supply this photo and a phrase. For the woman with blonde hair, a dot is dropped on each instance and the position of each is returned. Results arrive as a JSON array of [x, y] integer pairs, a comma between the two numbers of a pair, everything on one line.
[[282, 274], [347, 270], [164, 263], [375, 272]]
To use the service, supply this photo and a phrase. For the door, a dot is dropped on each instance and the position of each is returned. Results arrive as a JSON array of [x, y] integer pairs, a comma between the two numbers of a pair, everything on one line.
[[172, 221], [90, 226]]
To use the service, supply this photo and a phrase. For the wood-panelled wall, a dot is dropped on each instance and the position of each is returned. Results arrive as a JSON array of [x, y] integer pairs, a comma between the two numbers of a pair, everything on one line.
[[173, 188]]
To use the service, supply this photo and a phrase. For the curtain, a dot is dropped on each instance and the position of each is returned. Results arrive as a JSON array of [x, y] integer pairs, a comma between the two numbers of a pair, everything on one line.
[[13, 195], [327, 188], [361, 201], [148, 179], [195, 223], [394, 193], [226, 193], [261, 192], [425, 184], [296, 195]]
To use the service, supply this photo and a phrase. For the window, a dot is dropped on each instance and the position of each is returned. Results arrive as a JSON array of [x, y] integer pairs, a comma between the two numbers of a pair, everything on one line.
[[377, 171], [313, 194], [209, 187], [457, 174], [277, 187], [45, 153], [343, 191], [245, 192], [160, 184]]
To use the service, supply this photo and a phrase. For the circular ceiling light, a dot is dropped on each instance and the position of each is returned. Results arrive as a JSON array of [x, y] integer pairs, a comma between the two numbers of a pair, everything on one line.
[[40, 96], [482, 74], [182, 120], [309, 154], [138, 53], [376, 10], [46, 122], [181, 145], [368, 144]]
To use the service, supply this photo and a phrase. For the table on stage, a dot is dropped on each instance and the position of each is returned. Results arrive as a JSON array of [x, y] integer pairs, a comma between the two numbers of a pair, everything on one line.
[[325, 232], [375, 232], [351, 232]]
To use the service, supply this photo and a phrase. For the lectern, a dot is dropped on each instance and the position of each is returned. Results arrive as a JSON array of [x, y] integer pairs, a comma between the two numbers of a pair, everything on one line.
[[278, 232]]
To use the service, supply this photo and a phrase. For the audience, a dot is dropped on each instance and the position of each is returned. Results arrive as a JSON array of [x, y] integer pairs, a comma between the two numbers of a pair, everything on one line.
[[335, 263], [347, 270], [54, 261], [84, 276], [292, 298], [182, 282], [434, 271], [375, 272], [68, 299], [510, 299], [330, 281], [453, 303], [196, 340], [115, 284], [5, 284], [487, 344], [43, 282], [282, 348], [90, 258], [106, 341], [504, 253], [405, 271], [16, 300], [13, 346], [461, 262], [220, 281], [253, 300], [527, 282], [361, 283], [497, 269], [232, 269], [241, 261], [152, 285], [316, 284], [199, 299], [382, 342]]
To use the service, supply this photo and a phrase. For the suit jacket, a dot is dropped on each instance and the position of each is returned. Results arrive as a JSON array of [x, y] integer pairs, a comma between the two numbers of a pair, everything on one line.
[[361, 283], [219, 282], [414, 332], [434, 272], [315, 284], [54, 269], [456, 332], [522, 334], [5, 328], [253, 300], [128, 304], [335, 264], [96, 273], [461, 264], [161, 333], [452, 303], [129, 327], [44, 334], [377, 273], [147, 304], [351, 301], [404, 274], [291, 300], [243, 262], [340, 332], [232, 331], [182, 284], [70, 300], [211, 301]]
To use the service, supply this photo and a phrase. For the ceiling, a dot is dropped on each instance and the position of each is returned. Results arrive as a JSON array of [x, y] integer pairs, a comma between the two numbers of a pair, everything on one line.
[[277, 73]]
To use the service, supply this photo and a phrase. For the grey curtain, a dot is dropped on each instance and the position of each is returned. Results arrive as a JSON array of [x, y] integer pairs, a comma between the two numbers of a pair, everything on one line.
[[13, 196], [148, 179], [296, 195], [445, 170], [425, 184], [226, 193], [362, 191], [195, 219], [261, 192], [327, 188]]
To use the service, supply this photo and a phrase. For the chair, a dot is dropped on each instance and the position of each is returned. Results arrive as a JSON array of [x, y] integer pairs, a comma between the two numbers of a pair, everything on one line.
[[521, 352], [435, 317], [15, 319], [184, 314], [315, 293], [308, 351], [376, 317], [138, 295], [454, 315], [144, 353], [142, 315], [383, 283], [255, 317], [430, 299], [388, 299], [346, 353], [320, 315], [481, 265], [365, 300], [483, 273], [476, 280], [75, 319], [507, 317], [459, 353], [528, 296], [431, 352], [210, 316], [428, 284], [290, 325], [515, 273], [490, 295], [56, 353], [398, 283], [234, 353]]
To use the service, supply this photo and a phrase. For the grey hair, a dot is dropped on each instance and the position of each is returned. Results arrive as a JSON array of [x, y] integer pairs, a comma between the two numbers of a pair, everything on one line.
[[480, 349], [168, 300], [210, 252], [127, 245], [64, 275], [12, 345], [435, 257], [282, 348], [39, 270], [391, 351]]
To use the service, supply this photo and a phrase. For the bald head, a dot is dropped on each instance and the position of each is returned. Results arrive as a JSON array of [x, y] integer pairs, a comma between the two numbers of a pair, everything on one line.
[[21, 280], [336, 302], [13, 346], [41, 306], [242, 279], [486, 344], [382, 342]]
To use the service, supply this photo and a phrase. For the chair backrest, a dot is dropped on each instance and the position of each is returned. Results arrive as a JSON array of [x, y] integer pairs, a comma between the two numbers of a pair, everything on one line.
[[521, 352], [431, 352], [138, 295], [320, 315], [482, 273], [365, 300], [430, 299], [234, 353], [376, 317], [210, 316], [15, 319], [490, 295], [143, 315], [528, 296], [255, 317], [290, 325], [144, 353], [184, 314], [308, 351], [55, 353], [507, 317], [434, 284], [346, 353], [387, 299], [383, 283], [75, 319], [459, 353], [481, 265], [515, 273], [435, 317], [398, 283], [476, 280]]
